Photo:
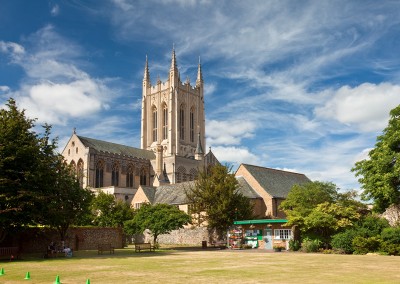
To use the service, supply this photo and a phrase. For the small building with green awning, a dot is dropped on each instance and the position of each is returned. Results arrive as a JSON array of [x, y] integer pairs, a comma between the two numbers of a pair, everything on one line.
[[260, 233]]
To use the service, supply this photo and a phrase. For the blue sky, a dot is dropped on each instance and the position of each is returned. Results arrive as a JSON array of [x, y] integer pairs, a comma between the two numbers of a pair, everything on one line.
[[308, 85]]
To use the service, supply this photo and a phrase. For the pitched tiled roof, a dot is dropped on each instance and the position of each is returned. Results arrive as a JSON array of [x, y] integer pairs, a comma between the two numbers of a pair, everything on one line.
[[174, 194], [150, 192], [103, 146], [245, 188], [276, 182]]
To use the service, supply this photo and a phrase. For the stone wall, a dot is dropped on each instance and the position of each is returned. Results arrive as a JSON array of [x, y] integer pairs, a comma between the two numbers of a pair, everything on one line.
[[187, 236], [34, 240]]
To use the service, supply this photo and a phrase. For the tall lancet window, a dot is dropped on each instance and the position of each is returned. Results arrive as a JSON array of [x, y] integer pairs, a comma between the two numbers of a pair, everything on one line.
[[130, 178], [79, 172], [165, 121], [115, 175], [99, 174], [192, 124], [154, 120], [182, 122]]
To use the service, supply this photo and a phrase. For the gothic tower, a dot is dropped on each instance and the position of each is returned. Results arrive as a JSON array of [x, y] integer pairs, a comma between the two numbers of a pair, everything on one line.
[[173, 123]]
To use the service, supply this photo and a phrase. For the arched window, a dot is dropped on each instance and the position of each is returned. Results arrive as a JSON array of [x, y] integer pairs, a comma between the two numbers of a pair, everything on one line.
[[180, 175], [154, 123], [79, 172], [165, 121], [115, 174], [99, 174], [143, 177], [193, 174], [130, 177], [182, 122], [73, 166], [192, 124]]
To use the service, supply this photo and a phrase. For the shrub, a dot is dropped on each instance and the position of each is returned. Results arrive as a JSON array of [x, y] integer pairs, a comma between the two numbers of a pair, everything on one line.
[[391, 241], [344, 241], [389, 248], [363, 245], [391, 235], [372, 225], [294, 245], [310, 245]]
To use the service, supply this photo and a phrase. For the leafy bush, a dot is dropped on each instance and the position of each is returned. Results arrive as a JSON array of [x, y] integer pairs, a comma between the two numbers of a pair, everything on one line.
[[372, 225], [294, 245], [363, 245], [343, 242], [391, 235], [391, 241], [309, 245], [390, 248]]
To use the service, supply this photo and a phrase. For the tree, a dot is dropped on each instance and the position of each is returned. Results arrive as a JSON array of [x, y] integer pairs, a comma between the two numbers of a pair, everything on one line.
[[215, 196], [36, 187], [23, 156], [379, 175], [110, 212], [159, 219], [67, 203], [320, 210]]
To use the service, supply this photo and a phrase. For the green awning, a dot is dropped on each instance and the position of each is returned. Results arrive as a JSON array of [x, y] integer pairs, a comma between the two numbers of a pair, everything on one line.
[[261, 221]]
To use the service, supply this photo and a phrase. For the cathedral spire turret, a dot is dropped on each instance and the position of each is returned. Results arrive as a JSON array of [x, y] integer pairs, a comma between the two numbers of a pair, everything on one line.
[[146, 76], [199, 153], [173, 61], [199, 80]]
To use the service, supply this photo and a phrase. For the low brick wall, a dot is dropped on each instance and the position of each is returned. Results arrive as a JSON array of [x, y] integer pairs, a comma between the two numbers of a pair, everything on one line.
[[34, 240]]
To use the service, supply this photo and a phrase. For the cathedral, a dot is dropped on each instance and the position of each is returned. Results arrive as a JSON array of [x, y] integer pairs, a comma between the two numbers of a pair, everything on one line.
[[172, 141], [171, 154]]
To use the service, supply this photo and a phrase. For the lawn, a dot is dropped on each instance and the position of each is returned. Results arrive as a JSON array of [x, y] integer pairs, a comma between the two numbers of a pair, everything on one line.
[[185, 265]]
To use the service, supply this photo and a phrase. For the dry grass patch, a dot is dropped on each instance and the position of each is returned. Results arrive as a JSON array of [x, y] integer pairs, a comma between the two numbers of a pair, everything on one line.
[[204, 266]]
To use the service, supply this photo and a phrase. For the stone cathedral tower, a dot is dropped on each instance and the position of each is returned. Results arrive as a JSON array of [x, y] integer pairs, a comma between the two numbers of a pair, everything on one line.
[[173, 124]]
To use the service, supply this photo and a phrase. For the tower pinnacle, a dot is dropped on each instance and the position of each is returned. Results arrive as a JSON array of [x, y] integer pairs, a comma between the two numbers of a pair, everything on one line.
[[146, 76], [199, 80]]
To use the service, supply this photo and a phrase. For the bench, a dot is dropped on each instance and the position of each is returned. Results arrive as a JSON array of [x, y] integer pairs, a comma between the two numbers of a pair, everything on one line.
[[10, 252], [218, 244], [144, 246], [105, 247]]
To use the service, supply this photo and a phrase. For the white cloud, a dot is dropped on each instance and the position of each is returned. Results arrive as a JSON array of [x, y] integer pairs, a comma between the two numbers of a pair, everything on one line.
[[365, 107], [4, 89], [229, 132], [55, 88], [14, 50], [235, 155], [55, 10], [55, 103]]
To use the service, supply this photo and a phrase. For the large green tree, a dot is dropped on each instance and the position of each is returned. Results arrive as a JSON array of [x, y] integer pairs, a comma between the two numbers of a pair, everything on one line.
[[379, 175], [67, 203], [36, 187], [24, 155], [320, 210], [216, 199], [159, 219], [110, 212]]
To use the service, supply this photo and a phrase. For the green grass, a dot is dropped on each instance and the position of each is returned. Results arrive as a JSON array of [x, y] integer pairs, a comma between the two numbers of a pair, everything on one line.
[[185, 265]]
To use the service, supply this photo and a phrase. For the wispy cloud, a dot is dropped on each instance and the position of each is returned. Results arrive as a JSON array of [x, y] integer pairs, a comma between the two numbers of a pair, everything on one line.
[[55, 88]]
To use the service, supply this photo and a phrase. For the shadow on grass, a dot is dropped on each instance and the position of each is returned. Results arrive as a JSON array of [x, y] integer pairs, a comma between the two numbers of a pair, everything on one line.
[[128, 252]]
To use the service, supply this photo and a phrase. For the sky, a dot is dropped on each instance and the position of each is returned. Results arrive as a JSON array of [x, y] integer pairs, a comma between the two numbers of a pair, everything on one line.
[[303, 86]]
